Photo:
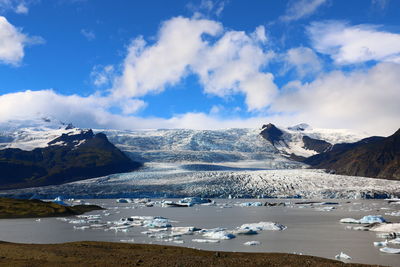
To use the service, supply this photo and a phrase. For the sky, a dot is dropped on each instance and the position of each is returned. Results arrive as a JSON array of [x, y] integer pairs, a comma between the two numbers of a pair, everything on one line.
[[202, 64]]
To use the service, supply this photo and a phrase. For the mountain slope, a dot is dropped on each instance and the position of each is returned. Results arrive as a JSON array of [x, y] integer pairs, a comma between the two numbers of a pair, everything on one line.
[[371, 157], [73, 156]]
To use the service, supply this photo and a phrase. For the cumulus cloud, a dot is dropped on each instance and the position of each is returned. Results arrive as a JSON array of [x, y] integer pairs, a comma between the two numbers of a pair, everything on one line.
[[303, 60], [367, 100], [347, 44], [230, 63], [13, 42], [301, 8]]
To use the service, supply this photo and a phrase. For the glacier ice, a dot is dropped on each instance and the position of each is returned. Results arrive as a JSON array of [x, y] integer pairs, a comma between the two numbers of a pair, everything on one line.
[[252, 243], [390, 250], [342, 256], [261, 226]]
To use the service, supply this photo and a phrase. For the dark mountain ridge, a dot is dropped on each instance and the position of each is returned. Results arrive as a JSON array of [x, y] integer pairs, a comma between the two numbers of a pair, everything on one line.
[[377, 157], [70, 157]]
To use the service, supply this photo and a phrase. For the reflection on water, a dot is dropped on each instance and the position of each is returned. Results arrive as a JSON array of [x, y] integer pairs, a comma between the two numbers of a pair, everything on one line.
[[311, 229]]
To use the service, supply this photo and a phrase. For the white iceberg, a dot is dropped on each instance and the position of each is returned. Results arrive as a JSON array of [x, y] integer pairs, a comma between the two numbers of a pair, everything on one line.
[[205, 240], [342, 256], [251, 204], [222, 235], [190, 201], [349, 220], [261, 226], [365, 220], [381, 243], [157, 223], [395, 241], [252, 243], [386, 227], [372, 219], [390, 250]]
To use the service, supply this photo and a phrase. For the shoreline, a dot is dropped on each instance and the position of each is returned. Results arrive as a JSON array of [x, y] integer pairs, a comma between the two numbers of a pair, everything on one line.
[[90, 253]]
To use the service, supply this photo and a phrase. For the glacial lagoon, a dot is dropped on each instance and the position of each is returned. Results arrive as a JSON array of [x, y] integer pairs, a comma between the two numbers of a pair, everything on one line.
[[311, 228]]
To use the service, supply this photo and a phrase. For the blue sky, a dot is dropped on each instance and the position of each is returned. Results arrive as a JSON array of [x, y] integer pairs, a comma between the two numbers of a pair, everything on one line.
[[202, 64]]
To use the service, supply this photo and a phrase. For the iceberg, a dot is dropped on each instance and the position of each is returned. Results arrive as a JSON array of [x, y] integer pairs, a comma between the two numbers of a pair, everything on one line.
[[342, 256], [381, 243], [252, 243], [157, 223], [386, 227], [205, 240], [190, 201], [222, 235], [365, 220], [395, 241], [372, 219], [390, 250], [124, 200], [251, 204], [261, 226]]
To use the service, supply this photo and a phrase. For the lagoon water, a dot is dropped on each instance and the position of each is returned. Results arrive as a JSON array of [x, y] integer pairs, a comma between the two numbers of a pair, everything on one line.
[[309, 230]]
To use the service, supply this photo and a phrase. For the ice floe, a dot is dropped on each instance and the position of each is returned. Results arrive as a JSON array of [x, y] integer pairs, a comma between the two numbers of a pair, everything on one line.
[[342, 256], [365, 220], [261, 226], [390, 250], [252, 243]]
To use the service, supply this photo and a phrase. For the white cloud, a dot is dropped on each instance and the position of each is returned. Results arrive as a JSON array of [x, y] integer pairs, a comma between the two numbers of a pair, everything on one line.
[[102, 75], [12, 43], [363, 100], [354, 44], [229, 64], [21, 9], [301, 8], [88, 34], [91, 111], [303, 60], [207, 7], [17, 6]]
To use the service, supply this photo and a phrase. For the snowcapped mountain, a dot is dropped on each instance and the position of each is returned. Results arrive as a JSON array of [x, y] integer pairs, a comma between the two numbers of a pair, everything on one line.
[[185, 145], [34, 133], [304, 141]]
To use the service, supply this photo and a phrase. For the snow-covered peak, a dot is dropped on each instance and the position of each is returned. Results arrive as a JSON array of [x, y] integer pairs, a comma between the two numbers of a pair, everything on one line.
[[300, 127], [291, 140]]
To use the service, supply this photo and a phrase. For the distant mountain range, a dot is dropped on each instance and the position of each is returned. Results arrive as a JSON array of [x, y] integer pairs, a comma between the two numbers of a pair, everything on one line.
[[377, 157], [75, 155], [44, 151]]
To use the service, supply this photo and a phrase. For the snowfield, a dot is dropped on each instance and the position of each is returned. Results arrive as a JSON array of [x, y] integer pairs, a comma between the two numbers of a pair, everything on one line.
[[175, 181]]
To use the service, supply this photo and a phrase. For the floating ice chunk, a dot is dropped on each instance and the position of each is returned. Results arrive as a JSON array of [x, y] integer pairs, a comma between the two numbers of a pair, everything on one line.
[[342, 256], [387, 235], [366, 219], [223, 235], [390, 250], [261, 226], [381, 243], [386, 227], [178, 241], [251, 204], [38, 220], [127, 240], [395, 241], [252, 243], [349, 220], [244, 232], [326, 208], [124, 200], [372, 219], [157, 223], [184, 230], [394, 213], [205, 240], [59, 200], [190, 201]]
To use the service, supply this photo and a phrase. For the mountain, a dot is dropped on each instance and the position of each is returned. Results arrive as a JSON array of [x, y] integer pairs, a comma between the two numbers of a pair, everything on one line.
[[377, 157], [75, 155], [301, 141]]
